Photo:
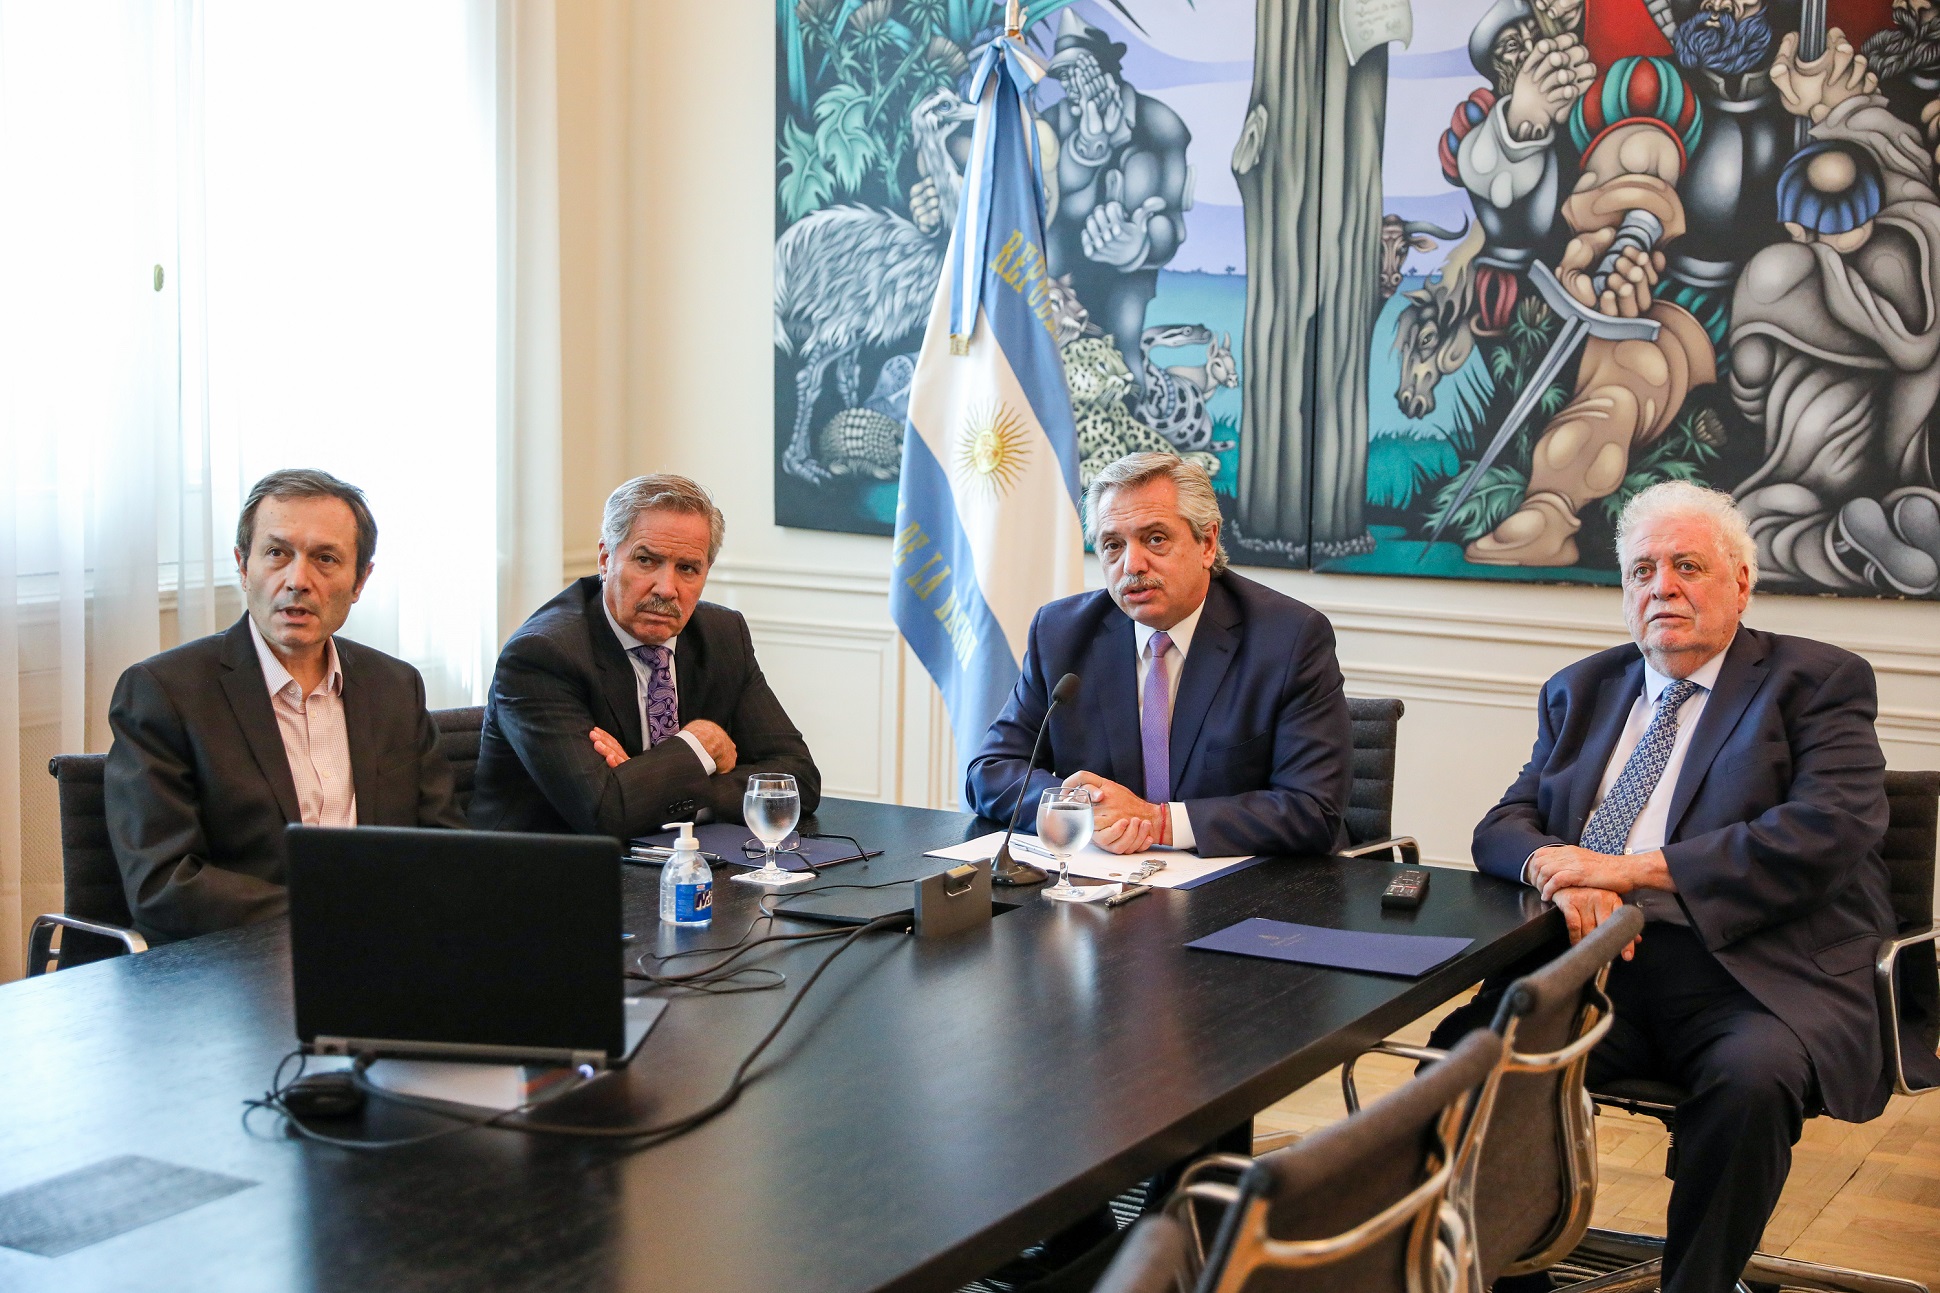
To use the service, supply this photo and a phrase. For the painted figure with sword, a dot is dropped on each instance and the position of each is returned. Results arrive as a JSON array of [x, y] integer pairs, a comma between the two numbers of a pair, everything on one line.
[[1680, 137]]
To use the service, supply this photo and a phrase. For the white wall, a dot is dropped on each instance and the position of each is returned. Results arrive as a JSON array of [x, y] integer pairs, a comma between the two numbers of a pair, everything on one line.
[[668, 211]]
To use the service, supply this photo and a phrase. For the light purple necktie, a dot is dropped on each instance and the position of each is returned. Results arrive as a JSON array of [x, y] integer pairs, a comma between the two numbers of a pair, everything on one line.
[[1155, 724], [663, 708]]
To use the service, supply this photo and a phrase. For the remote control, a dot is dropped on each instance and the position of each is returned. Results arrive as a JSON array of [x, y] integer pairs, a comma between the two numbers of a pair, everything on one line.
[[1406, 890]]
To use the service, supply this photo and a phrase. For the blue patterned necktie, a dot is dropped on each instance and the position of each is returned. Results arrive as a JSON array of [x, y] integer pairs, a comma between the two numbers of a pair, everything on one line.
[[663, 709], [1608, 830]]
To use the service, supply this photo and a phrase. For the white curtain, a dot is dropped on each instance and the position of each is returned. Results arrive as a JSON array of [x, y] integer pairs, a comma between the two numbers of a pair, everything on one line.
[[238, 236]]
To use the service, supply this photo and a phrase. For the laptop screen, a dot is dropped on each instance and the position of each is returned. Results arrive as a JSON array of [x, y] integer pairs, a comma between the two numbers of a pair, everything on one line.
[[469, 937]]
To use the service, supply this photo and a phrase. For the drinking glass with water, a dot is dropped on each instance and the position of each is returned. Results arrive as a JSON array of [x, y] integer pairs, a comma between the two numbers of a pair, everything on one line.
[[771, 806], [1064, 827]]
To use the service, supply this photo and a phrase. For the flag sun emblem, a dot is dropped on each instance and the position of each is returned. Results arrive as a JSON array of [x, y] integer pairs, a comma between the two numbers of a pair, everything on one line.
[[992, 447]]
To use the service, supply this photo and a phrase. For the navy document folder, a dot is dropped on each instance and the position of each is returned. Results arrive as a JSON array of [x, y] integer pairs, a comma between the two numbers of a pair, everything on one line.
[[1408, 955]]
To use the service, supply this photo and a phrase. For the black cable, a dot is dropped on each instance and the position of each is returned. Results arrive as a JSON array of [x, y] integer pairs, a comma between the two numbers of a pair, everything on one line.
[[704, 979], [517, 1120], [274, 1100], [656, 1133]]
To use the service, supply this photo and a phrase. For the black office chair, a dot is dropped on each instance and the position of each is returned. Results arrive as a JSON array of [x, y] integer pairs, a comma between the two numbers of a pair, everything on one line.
[[95, 923], [1908, 987], [1362, 1205], [1370, 802], [1156, 1257], [459, 731], [1526, 1171]]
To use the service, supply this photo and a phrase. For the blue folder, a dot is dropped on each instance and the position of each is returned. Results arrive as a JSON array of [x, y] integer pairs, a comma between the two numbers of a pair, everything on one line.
[[1407, 955]]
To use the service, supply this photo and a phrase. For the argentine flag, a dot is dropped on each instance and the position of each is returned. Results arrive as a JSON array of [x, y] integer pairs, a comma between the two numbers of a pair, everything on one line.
[[987, 525]]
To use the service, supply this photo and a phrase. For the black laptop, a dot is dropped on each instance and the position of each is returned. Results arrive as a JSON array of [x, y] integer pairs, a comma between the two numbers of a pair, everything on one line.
[[461, 945]]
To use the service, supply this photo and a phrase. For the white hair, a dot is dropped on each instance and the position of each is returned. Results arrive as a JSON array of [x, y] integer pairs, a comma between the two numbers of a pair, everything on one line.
[[1198, 505], [1679, 498]]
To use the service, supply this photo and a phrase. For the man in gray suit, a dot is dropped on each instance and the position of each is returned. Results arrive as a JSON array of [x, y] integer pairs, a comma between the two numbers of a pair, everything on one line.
[[222, 742], [627, 701]]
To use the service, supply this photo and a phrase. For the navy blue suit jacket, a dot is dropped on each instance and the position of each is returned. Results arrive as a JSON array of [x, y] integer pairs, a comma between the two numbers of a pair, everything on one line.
[[1262, 749], [1774, 835]]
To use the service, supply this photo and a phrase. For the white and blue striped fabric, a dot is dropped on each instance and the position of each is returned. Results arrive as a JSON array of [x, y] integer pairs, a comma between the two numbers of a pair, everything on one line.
[[987, 525]]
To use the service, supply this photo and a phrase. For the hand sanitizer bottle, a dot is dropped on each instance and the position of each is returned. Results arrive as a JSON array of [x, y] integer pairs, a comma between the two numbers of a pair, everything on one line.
[[686, 884]]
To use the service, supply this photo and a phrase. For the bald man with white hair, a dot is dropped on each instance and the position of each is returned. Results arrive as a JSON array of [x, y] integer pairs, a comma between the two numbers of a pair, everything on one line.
[[1729, 783]]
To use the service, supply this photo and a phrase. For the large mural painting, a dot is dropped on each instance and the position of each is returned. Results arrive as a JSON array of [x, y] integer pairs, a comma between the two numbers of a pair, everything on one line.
[[1431, 289], [1641, 240], [1138, 119]]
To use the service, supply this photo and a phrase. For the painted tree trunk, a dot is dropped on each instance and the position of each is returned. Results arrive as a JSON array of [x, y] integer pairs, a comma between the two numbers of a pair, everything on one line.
[[1308, 165]]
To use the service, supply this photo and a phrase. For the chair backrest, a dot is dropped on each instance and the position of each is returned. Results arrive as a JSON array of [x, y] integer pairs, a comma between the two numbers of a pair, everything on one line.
[[1532, 1181], [90, 876], [1357, 1206], [1155, 1258], [1912, 831], [459, 731], [1370, 801]]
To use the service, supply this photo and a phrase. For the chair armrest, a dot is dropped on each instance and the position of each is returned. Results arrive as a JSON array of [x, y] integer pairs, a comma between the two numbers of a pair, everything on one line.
[[1403, 845], [1352, 1095], [40, 938], [1889, 1001], [1191, 1188]]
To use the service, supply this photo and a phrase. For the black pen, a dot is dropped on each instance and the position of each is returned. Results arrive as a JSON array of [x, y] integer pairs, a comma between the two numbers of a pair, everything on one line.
[[1125, 895]]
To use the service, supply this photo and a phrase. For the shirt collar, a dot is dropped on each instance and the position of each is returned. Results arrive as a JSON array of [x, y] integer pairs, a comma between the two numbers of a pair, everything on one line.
[[1180, 633], [627, 641], [1705, 676], [277, 677]]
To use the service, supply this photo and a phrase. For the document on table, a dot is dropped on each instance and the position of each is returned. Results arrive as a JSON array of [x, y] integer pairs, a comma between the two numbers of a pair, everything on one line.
[[1182, 870]]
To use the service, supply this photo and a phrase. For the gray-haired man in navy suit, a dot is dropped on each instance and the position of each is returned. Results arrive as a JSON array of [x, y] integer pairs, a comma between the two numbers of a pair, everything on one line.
[[1212, 714], [1728, 782]]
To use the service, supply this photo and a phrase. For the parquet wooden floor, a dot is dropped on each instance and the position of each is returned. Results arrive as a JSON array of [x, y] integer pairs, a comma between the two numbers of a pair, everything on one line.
[[1866, 1197]]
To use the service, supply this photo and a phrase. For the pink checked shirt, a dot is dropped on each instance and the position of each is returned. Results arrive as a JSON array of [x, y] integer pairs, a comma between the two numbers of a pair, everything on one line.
[[314, 737]]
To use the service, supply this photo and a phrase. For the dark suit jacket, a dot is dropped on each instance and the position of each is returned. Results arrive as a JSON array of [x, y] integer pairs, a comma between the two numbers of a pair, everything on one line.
[[563, 673], [1774, 834], [1262, 749], [199, 789]]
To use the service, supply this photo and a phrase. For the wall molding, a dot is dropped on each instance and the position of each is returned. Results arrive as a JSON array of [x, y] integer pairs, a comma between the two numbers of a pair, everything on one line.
[[1897, 655]]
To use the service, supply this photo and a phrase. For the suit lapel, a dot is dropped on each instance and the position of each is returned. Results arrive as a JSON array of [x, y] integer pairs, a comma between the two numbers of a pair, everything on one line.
[[1613, 701], [690, 671], [247, 691], [619, 685], [1213, 645], [360, 729], [1743, 674], [1113, 702]]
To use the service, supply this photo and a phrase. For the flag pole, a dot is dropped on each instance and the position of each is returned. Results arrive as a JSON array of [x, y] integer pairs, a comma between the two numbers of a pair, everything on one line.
[[1013, 19]]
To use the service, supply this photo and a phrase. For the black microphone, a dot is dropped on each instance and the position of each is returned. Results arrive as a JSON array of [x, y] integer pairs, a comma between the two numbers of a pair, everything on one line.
[[1005, 869]]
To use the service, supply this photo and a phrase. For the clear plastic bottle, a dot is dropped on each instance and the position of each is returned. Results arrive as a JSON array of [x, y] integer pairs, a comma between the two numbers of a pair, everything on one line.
[[686, 883]]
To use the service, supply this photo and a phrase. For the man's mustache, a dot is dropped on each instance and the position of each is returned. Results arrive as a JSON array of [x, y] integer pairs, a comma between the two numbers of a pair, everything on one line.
[[1140, 584], [657, 605]]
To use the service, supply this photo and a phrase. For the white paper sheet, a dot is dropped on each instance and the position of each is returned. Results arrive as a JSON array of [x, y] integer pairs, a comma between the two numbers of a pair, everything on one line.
[[1180, 867]]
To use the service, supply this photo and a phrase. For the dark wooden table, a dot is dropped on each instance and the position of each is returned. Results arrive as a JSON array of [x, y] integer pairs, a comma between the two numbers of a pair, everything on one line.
[[934, 1107]]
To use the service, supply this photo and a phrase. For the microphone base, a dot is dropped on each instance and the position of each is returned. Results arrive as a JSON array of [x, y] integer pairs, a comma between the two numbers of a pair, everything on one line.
[[1009, 873]]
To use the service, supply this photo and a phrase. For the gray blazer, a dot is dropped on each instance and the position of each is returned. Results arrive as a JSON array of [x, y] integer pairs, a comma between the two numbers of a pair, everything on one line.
[[562, 673], [198, 785]]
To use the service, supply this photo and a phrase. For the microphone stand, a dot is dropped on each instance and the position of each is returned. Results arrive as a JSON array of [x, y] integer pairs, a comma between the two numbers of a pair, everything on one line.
[[1005, 869]]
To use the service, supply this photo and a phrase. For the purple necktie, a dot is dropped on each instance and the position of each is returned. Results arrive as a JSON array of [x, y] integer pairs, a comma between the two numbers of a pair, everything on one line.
[[663, 709], [1155, 724]]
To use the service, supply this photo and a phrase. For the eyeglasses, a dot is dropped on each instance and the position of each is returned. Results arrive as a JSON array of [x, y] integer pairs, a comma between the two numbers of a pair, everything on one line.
[[754, 850]]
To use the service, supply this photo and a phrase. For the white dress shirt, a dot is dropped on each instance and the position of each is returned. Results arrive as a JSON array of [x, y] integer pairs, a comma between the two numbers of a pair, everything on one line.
[[643, 677], [315, 739], [1652, 826], [1175, 665]]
